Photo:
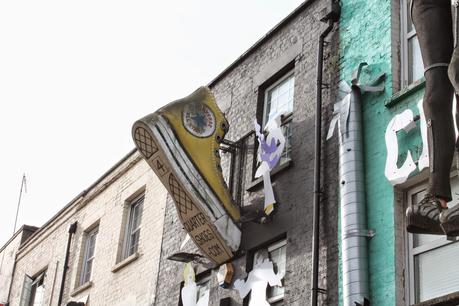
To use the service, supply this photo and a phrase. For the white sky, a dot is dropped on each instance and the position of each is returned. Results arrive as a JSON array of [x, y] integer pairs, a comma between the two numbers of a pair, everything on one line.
[[75, 75]]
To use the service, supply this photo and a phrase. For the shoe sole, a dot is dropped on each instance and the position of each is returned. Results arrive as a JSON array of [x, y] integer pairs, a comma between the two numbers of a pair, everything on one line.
[[199, 210], [420, 225]]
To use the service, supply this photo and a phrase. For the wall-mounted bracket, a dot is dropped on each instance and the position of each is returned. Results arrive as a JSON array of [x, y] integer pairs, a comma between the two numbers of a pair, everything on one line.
[[229, 146], [191, 257], [371, 86], [356, 233], [366, 302]]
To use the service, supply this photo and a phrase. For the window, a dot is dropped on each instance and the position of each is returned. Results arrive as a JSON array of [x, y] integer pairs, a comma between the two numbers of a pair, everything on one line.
[[133, 226], [33, 290], [412, 67], [278, 100], [277, 254], [203, 288], [432, 260], [88, 258]]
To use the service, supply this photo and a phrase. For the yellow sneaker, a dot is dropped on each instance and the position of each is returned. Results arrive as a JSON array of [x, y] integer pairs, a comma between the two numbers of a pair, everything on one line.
[[181, 144]]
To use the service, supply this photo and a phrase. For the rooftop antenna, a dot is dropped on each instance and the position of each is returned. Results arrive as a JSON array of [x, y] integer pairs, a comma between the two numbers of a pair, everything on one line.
[[23, 186]]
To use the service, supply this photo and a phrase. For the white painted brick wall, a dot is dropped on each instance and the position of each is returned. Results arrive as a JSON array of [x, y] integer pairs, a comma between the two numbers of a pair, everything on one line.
[[134, 284]]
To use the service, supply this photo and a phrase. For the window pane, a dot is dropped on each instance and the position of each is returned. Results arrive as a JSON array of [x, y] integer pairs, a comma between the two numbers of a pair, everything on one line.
[[203, 288], [38, 298], [133, 231], [278, 257], [90, 246], [279, 99], [87, 272], [286, 154], [438, 272], [415, 65]]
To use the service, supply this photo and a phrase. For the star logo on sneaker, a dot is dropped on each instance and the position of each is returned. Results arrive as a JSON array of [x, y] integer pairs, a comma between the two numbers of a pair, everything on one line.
[[199, 120]]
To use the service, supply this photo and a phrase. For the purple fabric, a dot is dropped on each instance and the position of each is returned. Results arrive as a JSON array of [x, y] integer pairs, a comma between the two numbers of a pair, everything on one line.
[[266, 153]]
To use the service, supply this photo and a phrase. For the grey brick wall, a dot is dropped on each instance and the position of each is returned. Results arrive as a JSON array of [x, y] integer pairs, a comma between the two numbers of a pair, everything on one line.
[[238, 92]]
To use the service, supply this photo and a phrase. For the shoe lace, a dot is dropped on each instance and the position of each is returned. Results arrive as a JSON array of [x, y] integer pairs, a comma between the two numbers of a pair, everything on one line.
[[430, 198]]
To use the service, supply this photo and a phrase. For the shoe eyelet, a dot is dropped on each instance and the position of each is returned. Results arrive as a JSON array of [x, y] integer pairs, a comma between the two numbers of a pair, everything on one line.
[[224, 126], [218, 138]]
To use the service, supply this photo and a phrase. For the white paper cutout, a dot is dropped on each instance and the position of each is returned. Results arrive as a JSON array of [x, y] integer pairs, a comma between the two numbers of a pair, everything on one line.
[[341, 110], [190, 289], [269, 153], [394, 174], [257, 281]]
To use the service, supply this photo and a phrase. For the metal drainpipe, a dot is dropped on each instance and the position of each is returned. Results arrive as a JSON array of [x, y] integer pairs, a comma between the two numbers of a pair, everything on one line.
[[353, 212], [330, 18], [72, 230], [354, 230]]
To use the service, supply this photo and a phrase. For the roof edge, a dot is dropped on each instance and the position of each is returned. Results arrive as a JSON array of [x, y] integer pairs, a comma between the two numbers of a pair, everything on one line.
[[262, 40], [24, 227], [80, 195]]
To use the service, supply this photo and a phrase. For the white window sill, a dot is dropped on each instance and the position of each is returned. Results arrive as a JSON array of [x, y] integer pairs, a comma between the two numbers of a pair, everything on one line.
[[125, 262], [255, 184], [276, 298], [81, 288]]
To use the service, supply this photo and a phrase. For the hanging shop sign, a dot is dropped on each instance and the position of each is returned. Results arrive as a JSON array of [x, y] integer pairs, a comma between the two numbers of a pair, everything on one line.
[[406, 121], [181, 143]]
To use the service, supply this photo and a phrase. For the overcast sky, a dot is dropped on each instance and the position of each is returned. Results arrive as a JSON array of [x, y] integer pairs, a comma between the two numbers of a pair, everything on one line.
[[75, 75]]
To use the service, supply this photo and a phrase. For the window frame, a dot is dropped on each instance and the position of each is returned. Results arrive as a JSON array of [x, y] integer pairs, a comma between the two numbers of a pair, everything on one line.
[[286, 120], [405, 37], [288, 74], [411, 290], [29, 289], [203, 278], [93, 232], [203, 282], [277, 244], [129, 232]]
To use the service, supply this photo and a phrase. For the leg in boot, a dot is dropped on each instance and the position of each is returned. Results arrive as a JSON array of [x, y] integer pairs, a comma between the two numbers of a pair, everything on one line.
[[432, 20], [450, 218]]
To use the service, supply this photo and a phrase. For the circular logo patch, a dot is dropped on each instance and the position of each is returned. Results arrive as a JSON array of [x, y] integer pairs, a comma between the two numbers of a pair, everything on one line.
[[199, 120]]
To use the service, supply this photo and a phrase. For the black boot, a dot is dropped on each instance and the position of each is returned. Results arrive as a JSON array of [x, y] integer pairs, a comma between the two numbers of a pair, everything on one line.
[[424, 217]]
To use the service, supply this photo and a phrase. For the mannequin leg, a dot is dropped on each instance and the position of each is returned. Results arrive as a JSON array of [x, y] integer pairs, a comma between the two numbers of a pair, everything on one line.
[[432, 21]]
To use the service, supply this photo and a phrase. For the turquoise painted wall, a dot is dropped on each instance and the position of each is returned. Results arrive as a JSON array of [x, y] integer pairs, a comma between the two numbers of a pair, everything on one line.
[[365, 36]]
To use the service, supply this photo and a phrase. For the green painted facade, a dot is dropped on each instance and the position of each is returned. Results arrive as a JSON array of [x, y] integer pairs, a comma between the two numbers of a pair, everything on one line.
[[365, 36]]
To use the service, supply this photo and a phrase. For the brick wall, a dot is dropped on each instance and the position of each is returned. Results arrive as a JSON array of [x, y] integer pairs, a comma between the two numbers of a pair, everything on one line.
[[106, 205], [238, 91]]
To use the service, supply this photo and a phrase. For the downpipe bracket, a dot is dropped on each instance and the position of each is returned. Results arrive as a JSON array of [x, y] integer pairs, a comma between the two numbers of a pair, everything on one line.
[[360, 233]]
